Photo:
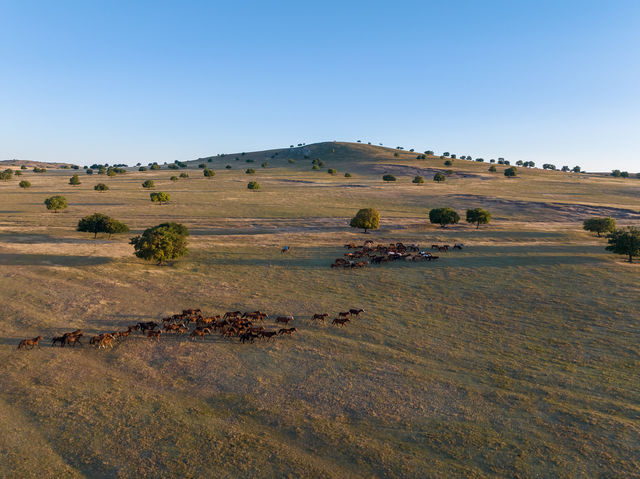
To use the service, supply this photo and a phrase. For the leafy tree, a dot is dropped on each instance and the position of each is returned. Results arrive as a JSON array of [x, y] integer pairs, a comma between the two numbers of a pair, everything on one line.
[[39, 170], [576, 169], [173, 166], [367, 219], [315, 167], [89, 171], [253, 185], [184, 175], [624, 174], [478, 216], [599, 225], [6, 175], [161, 243], [492, 169], [332, 171], [202, 165], [448, 163], [389, 178], [444, 216], [74, 180], [510, 172], [174, 178], [155, 166], [159, 197], [520, 163], [625, 241], [56, 203], [250, 171], [24, 184], [208, 173], [264, 164], [616, 173], [148, 184], [17, 173], [142, 168], [348, 175], [438, 177], [102, 170], [101, 187], [111, 172], [418, 180], [99, 223]]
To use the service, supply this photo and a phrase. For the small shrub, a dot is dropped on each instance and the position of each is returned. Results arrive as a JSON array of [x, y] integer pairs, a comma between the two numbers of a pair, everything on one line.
[[492, 169], [184, 175], [438, 177], [418, 180], [148, 184], [159, 197], [174, 178], [315, 167], [448, 163], [292, 161], [142, 168], [208, 173], [101, 187], [56, 203], [389, 178], [347, 175], [253, 185], [228, 167], [89, 171], [332, 171], [74, 180], [250, 171], [24, 184], [511, 171], [265, 164], [202, 165]]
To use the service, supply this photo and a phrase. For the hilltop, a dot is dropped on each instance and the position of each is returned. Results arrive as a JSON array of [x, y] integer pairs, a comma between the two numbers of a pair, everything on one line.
[[33, 164]]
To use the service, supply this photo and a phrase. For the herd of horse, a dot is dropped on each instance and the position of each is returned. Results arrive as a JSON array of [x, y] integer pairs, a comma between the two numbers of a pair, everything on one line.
[[245, 327], [369, 253]]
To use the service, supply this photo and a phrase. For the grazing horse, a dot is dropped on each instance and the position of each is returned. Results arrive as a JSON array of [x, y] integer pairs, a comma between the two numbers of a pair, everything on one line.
[[320, 317], [356, 312], [444, 248], [285, 249], [284, 319], [288, 331], [154, 334], [30, 342], [340, 321]]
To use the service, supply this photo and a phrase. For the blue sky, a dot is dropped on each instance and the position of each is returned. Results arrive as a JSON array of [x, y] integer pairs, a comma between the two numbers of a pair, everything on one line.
[[122, 82]]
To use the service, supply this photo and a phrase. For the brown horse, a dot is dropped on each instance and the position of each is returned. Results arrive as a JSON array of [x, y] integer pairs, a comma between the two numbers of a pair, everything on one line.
[[340, 321], [320, 317], [30, 342], [72, 339], [288, 331], [268, 334], [356, 312], [154, 334], [198, 332], [284, 319]]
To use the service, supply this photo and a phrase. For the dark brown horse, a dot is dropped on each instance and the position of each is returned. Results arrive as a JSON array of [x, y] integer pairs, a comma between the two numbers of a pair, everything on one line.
[[340, 321], [30, 342], [288, 331]]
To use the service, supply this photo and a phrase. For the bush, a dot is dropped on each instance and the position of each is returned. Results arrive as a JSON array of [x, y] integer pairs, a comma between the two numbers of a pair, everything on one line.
[[102, 170], [6, 175], [39, 170], [159, 197], [492, 169], [155, 166], [389, 178], [101, 187], [208, 173], [253, 185], [173, 166], [111, 172], [250, 171], [264, 164], [616, 173], [56, 203], [292, 161], [444, 216], [148, 184], [332, 171], [347, 175], [142, 168], [17, 173], [418, 180], [599, 225], [184, 175], [23, 167], [89, 171], [367, 219], [74, 180], [174, 178], [228, 167], [202, 165], [24, 184], [161, 243], [99, 223], [448, 163], [511, 171], [439, 177], [478, 216], [315, 167], [625, 241]]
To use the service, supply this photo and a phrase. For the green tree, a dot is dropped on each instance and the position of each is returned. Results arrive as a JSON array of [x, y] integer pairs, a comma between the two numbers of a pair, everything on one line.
[[492, 169], [510, 172], [367, 219], [625, 241], [332, 171], [101, 187], [56, 203], [208, 173], [389, 178], [99, 223], [174, 178], [348, 175], [250, 171], [444, 216], [111, 172], [6, 175], [439, 177], [89, 171], [17, 173], [159, 197], [74, 180], [161, 243], [599, 225], [448, 163], [24, 184], [148, 184], [253, 185], [142, 168], [478, 216], [418, 180], [184, 175]]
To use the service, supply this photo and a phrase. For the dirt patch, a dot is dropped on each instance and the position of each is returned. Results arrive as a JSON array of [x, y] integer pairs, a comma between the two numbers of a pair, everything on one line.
[[415, 171]]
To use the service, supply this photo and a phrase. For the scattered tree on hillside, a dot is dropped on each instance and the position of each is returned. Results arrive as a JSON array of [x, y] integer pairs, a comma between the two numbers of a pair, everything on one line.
[[174, 178], [576, 169], [253, 185], [142, 168], [448, 163], [17, 173], [599, 225], [184, 175], [74, 180], [250, 171], [99, 223], [439, 177], [24, 184], [332, 171], [348, 175], [101, 187], [511, 172], [492, 169], [208, 173], [367, 219], [56, 203], [444, 216], [39, 170], [418, 180], [478, 216], [148, 184], [159, 197], [6, 175], [625, 241], [89, 171], [161, 243], [389, 178]]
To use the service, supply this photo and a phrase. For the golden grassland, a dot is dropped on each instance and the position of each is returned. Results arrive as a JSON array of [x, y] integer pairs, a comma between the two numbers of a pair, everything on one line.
[[518, 356]]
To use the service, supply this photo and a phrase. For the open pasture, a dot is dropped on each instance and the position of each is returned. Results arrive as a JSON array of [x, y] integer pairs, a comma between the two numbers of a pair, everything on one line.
[[517, 356]]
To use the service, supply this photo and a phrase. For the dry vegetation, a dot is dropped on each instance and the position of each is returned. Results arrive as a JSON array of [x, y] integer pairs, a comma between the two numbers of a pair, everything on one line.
[[516, 357]]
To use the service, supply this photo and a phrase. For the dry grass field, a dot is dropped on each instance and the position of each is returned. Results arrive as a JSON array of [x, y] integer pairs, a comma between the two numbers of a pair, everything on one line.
[[518, 356]]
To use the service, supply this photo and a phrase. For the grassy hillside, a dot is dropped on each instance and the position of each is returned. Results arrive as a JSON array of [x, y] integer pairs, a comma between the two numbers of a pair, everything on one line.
[[515, 357]]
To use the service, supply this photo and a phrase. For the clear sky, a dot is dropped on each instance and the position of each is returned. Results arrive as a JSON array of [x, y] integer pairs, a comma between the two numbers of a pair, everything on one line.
[[127, 81]]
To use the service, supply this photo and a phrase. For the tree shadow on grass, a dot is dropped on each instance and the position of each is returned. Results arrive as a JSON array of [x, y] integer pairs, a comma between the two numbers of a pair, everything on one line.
[[51, 260]]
